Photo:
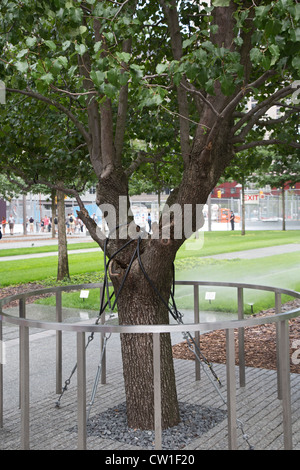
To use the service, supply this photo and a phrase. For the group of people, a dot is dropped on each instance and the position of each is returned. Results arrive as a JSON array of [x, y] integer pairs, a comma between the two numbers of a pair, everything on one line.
[[73, 224]]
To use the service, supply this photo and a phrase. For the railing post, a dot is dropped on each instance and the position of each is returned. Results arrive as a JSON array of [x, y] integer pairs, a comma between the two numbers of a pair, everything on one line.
[[231, 389], [157, 391], [24, 386], [58, 344], [22, 314], [81, 390], [279, 377], [241, 336], [197, 333], [284, 357], [102, 336]]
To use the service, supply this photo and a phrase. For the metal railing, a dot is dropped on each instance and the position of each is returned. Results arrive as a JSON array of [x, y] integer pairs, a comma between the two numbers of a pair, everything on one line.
[[282, 340]]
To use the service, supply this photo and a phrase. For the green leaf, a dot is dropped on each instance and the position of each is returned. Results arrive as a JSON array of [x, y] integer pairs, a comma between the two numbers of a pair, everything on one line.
[[22, 66], [209, 87], [110, 91], [51, 45], [295, 34], [275, 52], [22, 53], [97, 77], [76, 15], [161, 68], [296, 63], [80, 48], [221, 3], [189, 41], [62, 60], [227, 85], [31, 42], [82, 29], [123, 78], [47, 78], [113, 77], [255, 55], [123, 56], [66, 45]]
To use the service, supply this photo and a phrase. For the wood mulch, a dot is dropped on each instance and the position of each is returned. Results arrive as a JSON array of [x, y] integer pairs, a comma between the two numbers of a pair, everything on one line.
[[260, 344], [14, 290]]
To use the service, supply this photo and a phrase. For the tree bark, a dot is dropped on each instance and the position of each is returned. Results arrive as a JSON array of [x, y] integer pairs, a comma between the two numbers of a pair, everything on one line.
[[53, 210], [140, 303], [283, 207], [63, 264]]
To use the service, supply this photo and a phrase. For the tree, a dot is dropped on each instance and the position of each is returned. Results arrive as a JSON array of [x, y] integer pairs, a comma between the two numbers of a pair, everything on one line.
[[284, 170], [119, 71], [242, 168], [36, 153]]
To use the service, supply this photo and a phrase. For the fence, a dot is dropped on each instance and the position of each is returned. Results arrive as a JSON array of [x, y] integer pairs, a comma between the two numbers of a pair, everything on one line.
[[283, 360]]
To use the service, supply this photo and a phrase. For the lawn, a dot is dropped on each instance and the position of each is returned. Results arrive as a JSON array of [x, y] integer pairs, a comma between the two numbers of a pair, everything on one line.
[[44, 249], [211, 243], [40, 269], [277, 270]]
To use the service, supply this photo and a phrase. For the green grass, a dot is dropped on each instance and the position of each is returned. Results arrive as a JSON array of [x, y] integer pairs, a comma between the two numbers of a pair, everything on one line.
[[277, 270], [211, 243], [40, 269], [44, 249]]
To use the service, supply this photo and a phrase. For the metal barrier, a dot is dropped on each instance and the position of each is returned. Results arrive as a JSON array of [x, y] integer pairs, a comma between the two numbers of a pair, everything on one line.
[[282, 338]]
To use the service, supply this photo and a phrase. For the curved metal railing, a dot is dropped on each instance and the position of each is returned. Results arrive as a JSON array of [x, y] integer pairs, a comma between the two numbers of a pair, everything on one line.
[[282, 339]]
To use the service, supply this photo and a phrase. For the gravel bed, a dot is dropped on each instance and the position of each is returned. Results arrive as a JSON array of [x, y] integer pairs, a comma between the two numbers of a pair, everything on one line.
[[195, 421]]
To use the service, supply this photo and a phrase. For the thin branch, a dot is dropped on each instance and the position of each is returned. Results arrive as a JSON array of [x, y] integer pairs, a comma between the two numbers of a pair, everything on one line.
[[57, 105], [143, 157], [263, 143], [183, 117], [233, 103], [264, 105], [193, 90]]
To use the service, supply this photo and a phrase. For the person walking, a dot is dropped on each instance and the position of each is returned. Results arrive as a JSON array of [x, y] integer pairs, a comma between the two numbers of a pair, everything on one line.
[[149, 221], [232, 220], [11, 224], [31, 224], [3, 224]]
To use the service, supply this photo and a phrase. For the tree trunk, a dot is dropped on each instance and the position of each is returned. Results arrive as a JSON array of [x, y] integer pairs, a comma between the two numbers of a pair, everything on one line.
[[63, 264], [53, 210], [283, 207], [139, 303], [243, 210]]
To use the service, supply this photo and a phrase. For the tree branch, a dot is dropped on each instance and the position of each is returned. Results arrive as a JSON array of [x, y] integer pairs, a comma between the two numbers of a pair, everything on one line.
[[171, 15], [261, 143], [253, 114], [59, 106], [235, 101]]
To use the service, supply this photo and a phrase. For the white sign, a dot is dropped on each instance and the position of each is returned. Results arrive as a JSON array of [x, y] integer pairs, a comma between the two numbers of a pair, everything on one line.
[[252, 198], [210, 295], [84, 294]]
